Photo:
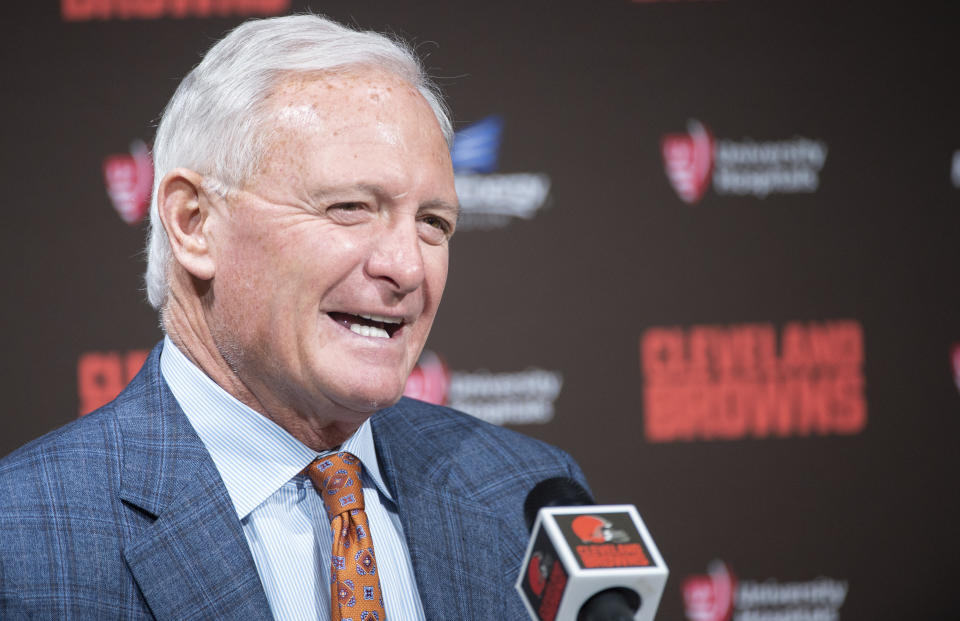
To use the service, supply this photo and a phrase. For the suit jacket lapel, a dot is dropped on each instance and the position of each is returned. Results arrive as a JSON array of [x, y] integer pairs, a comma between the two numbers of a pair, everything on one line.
[[186, 548], [453, 540]]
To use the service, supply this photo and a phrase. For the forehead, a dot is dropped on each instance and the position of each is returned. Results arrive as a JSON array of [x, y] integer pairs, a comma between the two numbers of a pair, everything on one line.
[[366, 111], [342, 100]]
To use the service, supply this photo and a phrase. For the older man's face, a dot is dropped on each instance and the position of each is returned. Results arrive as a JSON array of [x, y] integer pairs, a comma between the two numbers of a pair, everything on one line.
[[333, 257]]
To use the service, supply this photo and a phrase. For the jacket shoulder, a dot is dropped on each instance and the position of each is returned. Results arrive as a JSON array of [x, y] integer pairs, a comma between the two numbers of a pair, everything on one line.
[[63, 524], [92, 437], [475, 455], [58, 516], [80, 446]]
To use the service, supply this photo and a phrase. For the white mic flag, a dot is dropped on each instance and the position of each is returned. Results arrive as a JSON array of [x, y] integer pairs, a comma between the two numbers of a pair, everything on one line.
[[576, 553]]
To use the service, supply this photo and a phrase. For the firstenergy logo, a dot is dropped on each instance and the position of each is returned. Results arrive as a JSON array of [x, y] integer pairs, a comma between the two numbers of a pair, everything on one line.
[[86, 10], [728, 382], [489, 199], [740, 167]]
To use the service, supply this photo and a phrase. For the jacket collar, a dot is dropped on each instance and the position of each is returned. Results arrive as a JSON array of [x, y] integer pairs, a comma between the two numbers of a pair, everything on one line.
[[190, 557], [452, 538]]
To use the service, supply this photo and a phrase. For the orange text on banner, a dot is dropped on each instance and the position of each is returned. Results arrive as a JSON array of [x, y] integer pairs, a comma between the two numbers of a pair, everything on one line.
[[84, 10], [716, 382], [101, 375]]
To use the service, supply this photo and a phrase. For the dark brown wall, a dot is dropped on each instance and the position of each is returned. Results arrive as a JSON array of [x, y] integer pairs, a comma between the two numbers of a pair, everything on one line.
[[787, 491]]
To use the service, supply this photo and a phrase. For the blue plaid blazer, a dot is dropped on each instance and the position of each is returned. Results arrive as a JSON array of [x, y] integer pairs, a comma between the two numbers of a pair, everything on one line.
[[122, 514]]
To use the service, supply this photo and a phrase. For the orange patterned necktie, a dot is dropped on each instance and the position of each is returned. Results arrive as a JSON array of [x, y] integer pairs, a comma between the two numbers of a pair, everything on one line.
[[354, 584]]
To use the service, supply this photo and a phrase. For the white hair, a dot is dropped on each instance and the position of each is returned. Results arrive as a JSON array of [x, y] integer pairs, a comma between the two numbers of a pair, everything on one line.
[[213, 122]]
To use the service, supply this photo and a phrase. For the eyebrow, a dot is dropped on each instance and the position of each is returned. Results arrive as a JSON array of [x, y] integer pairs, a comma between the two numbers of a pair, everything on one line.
[[453, 208], [381, 192]]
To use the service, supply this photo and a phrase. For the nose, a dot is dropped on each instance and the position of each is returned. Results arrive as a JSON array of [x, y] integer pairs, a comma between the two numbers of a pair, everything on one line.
[[396, 258]]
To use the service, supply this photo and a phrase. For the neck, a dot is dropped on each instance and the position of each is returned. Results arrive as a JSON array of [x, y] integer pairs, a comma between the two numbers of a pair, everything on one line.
[[188, 331]]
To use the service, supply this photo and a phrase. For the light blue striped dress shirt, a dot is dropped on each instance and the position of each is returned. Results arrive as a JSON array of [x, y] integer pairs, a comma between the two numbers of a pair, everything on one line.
[[282, 516]]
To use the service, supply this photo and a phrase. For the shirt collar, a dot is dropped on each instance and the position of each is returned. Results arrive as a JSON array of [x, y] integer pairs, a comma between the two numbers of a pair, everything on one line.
[[253, 455]]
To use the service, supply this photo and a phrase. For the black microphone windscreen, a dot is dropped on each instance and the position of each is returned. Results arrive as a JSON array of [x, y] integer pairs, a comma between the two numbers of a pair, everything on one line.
[[555, 492]]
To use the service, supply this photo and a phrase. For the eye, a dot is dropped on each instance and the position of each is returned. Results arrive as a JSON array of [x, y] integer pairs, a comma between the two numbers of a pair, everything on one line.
[[437, 222], [348, 213], [347, 206], [435, 229]]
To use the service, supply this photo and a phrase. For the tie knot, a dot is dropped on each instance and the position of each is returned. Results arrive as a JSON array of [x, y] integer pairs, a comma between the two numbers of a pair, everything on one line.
[[337, 479]]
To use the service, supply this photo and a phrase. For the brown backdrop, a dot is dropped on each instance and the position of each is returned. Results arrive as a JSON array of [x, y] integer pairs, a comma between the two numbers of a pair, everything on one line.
[[793, 422]]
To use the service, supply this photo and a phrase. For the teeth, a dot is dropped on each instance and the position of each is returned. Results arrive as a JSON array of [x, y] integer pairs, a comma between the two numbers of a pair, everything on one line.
[[369, 331], [382, 319]]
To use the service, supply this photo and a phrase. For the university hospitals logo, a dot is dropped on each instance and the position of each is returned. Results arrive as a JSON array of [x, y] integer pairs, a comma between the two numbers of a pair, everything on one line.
[[955, 169], [129, 179], [689, 161], [710, 597], [719, 596], [489, 199], [519, 397], [955, 360], [746, 167], [430, 380]]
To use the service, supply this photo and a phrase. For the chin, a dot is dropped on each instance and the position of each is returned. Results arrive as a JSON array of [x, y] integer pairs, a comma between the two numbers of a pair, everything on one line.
[[359, 383], [369, 401]]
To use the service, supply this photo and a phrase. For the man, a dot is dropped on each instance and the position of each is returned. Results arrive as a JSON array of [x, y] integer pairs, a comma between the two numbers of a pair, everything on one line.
[[301, 222]]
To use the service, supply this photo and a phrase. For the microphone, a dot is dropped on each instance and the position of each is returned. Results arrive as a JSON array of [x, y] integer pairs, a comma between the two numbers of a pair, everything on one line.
[[587, 562]]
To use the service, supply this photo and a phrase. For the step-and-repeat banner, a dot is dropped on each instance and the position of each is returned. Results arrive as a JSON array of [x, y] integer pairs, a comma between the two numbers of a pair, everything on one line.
[[710, 248]]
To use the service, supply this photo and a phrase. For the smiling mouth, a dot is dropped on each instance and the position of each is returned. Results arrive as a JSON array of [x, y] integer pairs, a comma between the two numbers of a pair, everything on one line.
[[376, 326]]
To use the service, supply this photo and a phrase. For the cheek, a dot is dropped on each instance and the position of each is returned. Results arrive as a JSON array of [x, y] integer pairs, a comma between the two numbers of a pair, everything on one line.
[[310, 257], [435, 266]]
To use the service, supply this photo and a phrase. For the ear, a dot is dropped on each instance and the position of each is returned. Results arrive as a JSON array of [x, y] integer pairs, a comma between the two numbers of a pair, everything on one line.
[[184, 209]]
